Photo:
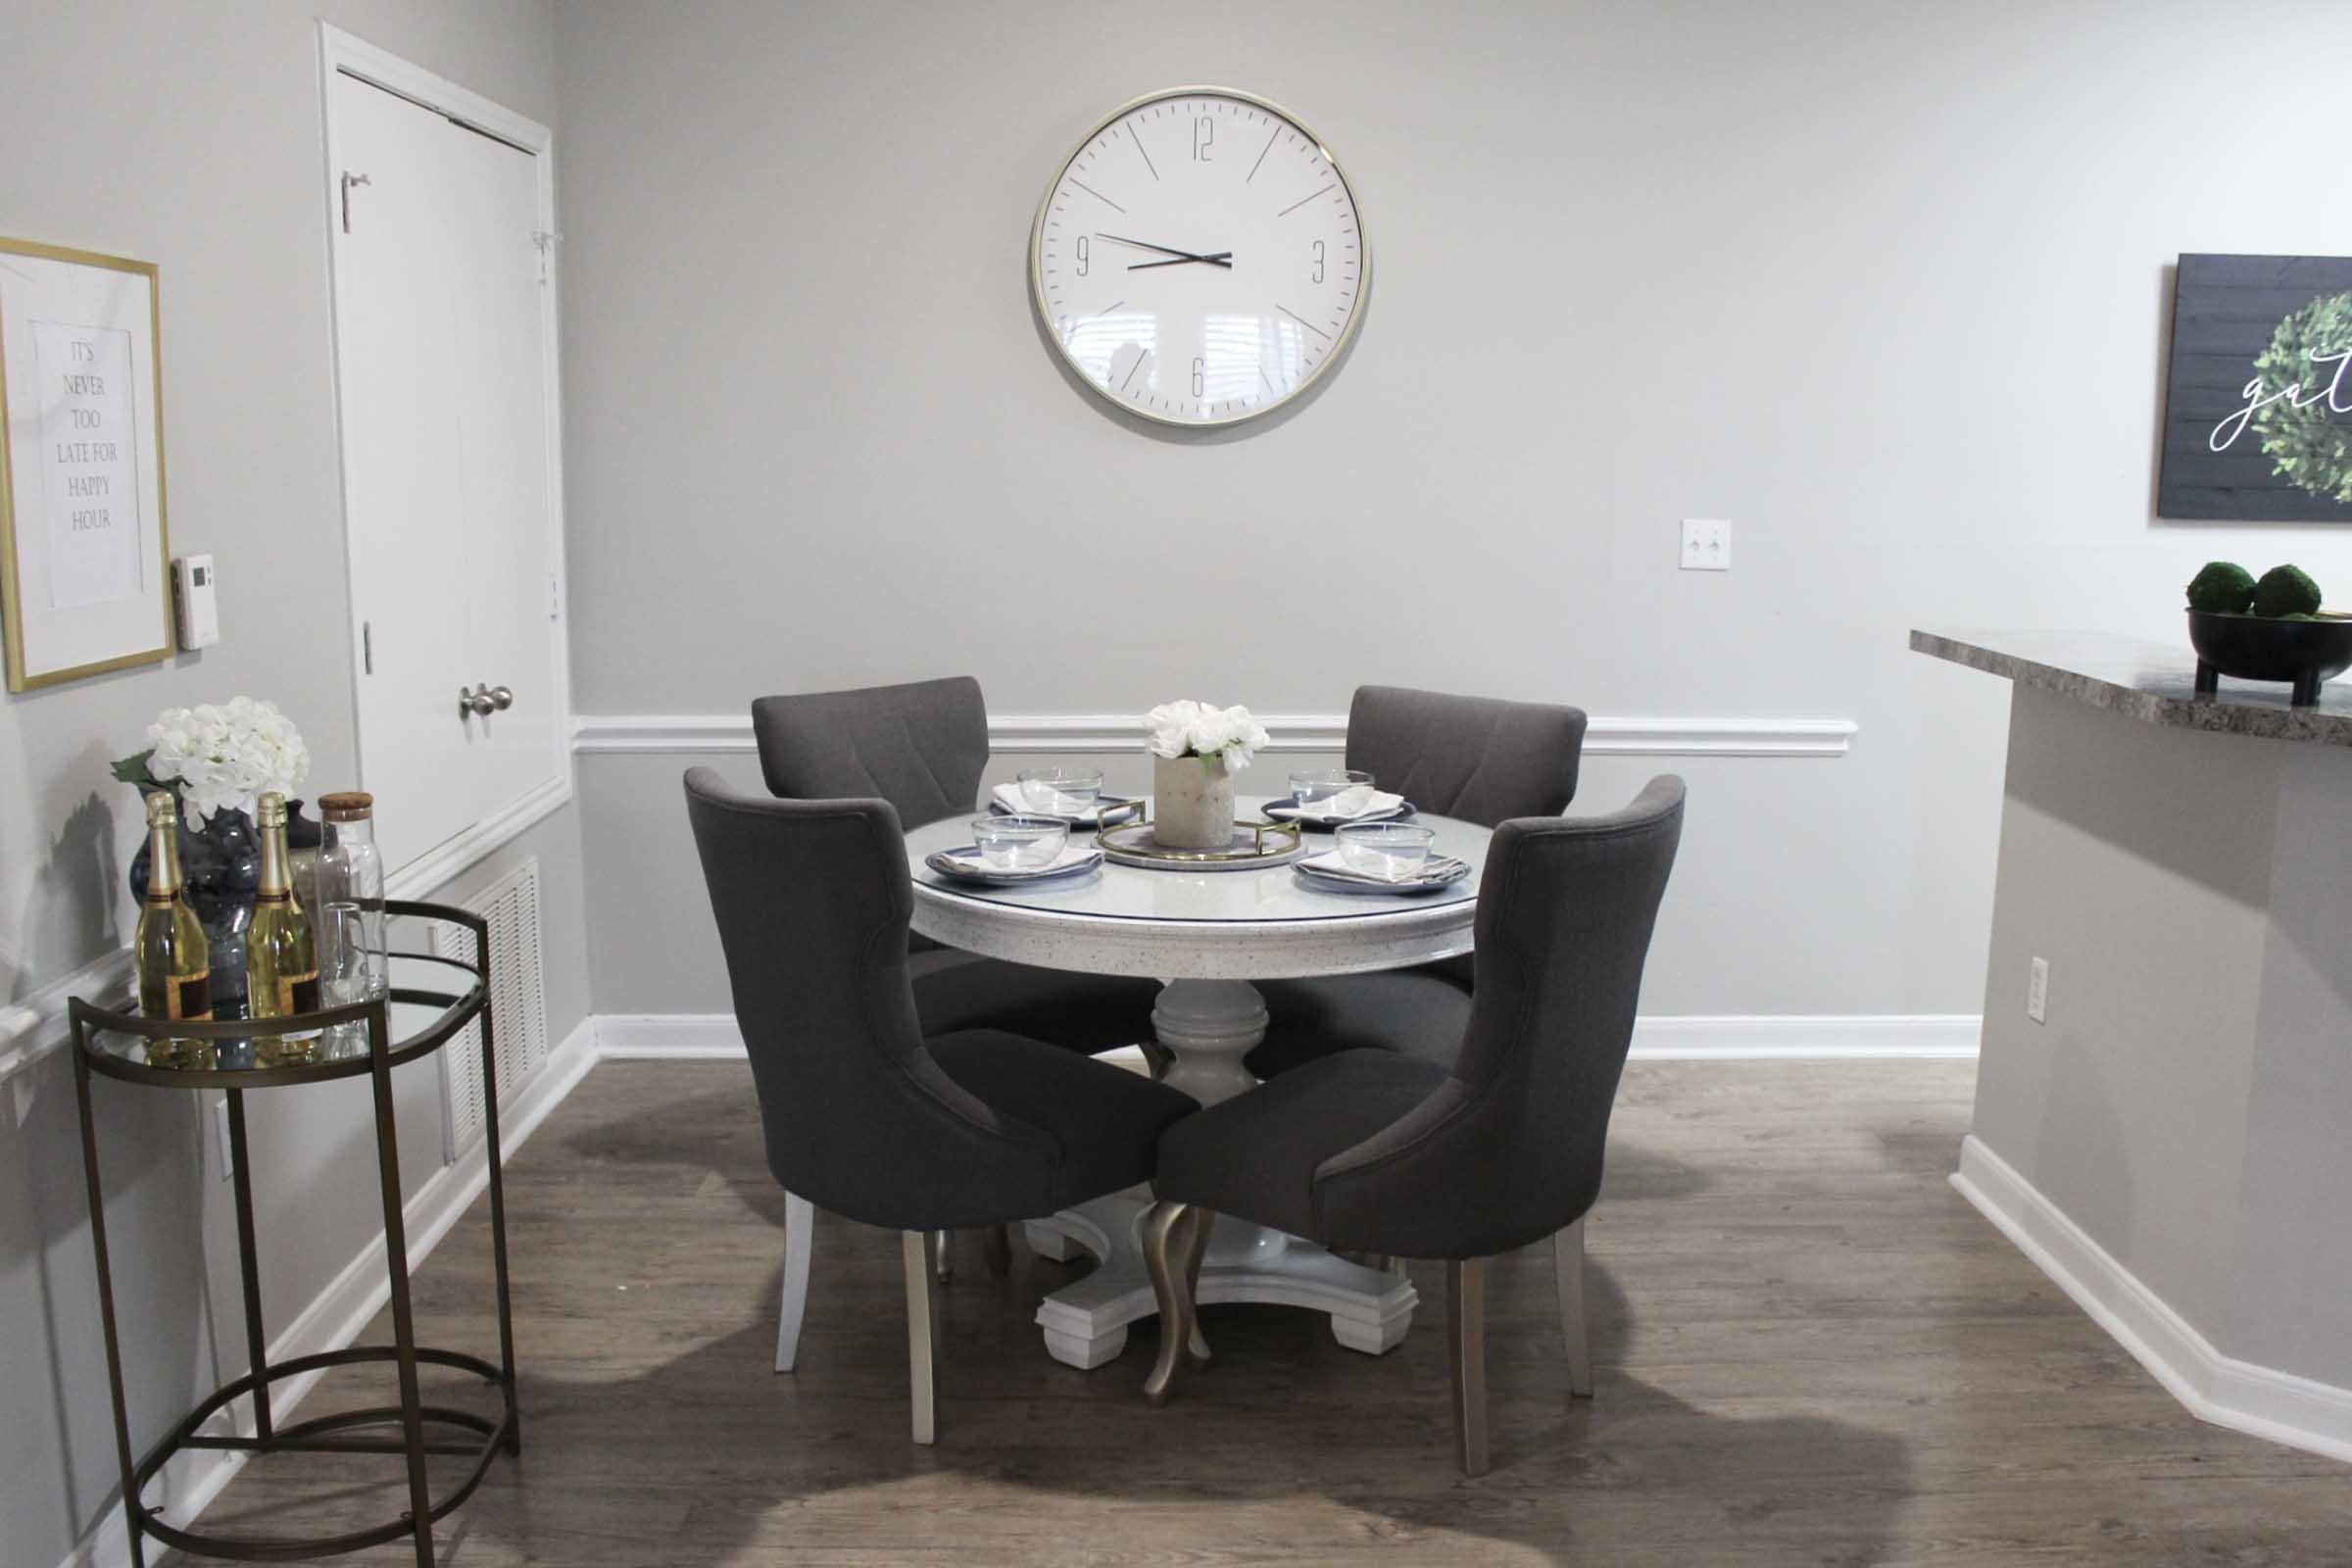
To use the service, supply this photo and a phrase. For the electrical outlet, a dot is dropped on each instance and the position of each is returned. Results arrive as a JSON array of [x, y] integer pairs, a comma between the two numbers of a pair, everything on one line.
[[2038, 991], [1706, 544]]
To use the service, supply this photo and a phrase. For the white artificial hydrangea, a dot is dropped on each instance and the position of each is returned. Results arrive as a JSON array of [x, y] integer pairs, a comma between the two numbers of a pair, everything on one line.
[[225, 758], [1198, 729]]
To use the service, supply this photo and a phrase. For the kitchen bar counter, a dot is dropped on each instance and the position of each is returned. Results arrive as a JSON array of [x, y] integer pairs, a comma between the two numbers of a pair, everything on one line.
[[2171, 1141], [2148, 681]]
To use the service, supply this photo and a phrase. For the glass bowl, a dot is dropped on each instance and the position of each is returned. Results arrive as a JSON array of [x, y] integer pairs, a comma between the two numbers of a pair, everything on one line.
[[1336, 789], [1395, 851], [1060, 791], [1018, 843]]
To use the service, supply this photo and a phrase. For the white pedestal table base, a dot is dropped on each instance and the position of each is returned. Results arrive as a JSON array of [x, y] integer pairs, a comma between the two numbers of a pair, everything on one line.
[[1207, 1026]]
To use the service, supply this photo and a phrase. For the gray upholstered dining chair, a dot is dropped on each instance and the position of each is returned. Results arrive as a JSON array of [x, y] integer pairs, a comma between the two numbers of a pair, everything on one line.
[[1498, 1148], [922, 747], [863, 1113], [1477, 758]]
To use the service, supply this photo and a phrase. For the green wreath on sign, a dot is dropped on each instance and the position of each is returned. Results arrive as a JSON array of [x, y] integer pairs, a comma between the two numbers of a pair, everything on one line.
[[2308, 445]]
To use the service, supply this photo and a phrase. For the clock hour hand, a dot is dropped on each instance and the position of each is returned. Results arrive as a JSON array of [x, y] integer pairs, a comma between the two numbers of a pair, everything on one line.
[[1222, 259], [1169, 250]]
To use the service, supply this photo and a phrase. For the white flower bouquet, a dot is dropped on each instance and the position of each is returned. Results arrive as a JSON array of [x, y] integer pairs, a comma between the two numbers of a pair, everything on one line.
[[1198, 729], [1196, 751], [219, 758]]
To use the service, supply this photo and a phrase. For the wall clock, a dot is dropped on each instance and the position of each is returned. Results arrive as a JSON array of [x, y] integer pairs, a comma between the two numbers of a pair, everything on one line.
[[1199, 258]]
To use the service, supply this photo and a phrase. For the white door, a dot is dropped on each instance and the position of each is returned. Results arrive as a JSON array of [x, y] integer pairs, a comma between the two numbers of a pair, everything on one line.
[[441, 360]]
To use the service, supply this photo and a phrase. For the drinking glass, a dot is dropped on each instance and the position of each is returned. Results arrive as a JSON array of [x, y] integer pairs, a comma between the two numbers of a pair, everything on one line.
[[346, 974], [1018, 843], [1395, 851], [1332, 791], [1060, 791]]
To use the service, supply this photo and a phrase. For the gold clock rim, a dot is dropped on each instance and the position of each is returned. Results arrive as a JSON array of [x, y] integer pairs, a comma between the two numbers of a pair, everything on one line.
[[1340, 346]]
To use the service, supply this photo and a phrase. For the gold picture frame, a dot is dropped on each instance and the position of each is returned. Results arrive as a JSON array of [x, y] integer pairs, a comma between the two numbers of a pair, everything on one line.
[[26, 670]]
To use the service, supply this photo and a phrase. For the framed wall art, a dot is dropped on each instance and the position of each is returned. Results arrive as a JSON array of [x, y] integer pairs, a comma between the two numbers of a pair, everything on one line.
[[84, 560], [2258, 401]]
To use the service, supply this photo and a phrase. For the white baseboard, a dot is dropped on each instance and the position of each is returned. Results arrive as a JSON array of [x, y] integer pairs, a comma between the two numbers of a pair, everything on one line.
[[712, 1036], [667, 1037], [2258, 1400], [1805, 1037], [336, 1316]]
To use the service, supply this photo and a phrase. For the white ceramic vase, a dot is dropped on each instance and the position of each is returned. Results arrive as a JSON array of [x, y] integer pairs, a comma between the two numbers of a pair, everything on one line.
[[1192, 803]]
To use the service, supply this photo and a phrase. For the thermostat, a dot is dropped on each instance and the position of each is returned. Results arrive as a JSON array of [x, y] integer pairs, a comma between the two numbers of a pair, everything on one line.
[[198, 614]]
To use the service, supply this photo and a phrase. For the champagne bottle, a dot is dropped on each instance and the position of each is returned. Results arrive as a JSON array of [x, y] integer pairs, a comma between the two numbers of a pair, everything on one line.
[[173, 960], [281, 953]]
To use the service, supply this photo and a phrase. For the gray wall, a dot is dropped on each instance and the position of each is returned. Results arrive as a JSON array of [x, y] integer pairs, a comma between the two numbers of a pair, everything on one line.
[[190, 136], [1885, 284]]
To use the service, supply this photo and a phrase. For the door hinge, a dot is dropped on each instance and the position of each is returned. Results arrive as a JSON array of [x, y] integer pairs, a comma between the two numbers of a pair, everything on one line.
[[350, 179], [554, 598], [545, 241], [367, 646]]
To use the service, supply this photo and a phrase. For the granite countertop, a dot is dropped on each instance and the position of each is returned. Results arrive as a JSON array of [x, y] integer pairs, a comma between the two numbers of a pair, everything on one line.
[[2153, 683]]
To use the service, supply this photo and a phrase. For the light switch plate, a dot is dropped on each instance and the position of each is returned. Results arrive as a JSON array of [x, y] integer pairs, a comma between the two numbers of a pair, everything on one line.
[[2038, 991], [1706, 544]]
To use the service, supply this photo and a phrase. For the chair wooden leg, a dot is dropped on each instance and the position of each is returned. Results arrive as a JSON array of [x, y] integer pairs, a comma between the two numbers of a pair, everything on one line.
[[1466, 1358], [919, 1252], [943, 1252], [1194, 1250], [1166, 1237], [800, 1220], [998, 1239], [1568, 1275]]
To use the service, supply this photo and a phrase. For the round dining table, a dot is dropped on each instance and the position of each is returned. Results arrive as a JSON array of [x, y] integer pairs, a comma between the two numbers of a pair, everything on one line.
[[1205, 935]]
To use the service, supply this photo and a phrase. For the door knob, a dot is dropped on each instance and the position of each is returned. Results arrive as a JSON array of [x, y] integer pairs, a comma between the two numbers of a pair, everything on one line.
[[502, 698], [479, 702]]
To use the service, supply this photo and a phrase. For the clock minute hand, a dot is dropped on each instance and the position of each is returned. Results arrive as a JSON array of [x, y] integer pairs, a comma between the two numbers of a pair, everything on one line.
[[1222, 259]]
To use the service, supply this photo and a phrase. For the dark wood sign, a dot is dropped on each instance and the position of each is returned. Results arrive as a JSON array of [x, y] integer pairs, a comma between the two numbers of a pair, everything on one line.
[[2258, 405]]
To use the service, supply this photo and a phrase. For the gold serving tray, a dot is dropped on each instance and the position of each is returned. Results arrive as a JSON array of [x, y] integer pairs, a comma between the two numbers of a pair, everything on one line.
[[1254, 847]]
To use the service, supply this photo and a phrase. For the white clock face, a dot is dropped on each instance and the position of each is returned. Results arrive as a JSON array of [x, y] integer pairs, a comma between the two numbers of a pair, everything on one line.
[[1199, 259]]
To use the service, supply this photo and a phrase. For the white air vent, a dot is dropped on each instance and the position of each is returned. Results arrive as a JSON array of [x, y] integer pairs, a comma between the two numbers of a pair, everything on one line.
[[518, 1006]]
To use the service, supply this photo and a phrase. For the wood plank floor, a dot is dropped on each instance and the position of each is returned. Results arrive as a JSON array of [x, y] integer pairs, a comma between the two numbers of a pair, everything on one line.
[[1809, 1351]]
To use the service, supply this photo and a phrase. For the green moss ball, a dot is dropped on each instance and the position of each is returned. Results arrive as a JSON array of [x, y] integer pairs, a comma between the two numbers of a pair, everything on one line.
[[2286, 591], [2223, 588]]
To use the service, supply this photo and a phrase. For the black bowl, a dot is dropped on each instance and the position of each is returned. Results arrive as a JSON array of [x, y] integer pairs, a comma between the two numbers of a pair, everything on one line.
[[2256, 648]]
